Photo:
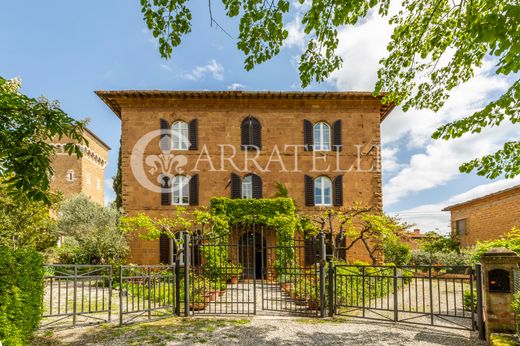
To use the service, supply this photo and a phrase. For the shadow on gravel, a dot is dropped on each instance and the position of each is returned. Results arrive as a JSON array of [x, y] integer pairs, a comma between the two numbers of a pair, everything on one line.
[[176, 331]]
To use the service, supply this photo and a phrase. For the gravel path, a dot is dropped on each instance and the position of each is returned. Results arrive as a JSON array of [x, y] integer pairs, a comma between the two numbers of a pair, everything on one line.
[[259, 330]]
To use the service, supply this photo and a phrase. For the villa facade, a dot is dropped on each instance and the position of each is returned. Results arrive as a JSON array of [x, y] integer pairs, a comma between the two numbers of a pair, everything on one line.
[[181, 148]]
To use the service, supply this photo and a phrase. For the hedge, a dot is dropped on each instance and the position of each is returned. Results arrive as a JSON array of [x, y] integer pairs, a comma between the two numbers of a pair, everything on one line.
[[21, 293]]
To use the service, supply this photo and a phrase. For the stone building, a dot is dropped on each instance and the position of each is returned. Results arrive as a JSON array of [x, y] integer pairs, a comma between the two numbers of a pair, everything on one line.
[[185, 147], [487, 217], [85, 175]]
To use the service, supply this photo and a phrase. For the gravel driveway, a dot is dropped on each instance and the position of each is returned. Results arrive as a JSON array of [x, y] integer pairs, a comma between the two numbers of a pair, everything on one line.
[[259, 330]]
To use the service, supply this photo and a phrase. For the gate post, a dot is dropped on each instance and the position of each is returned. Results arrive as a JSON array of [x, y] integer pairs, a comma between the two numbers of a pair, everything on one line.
[[321, 238], [74, 304], [177, 273], [186, 273], [332, 282], [396, 303], [498, 265], [480, 308], [110, 275]]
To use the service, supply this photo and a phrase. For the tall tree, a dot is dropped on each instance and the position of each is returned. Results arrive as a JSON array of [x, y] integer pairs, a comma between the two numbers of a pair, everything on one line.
[[118, 182], [436, 45], [25, 223], [27, 126]]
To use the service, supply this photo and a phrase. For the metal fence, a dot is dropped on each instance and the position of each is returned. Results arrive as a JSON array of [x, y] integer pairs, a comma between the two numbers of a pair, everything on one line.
[[147, 292], [250, 270], [435, 295], [77, 294]]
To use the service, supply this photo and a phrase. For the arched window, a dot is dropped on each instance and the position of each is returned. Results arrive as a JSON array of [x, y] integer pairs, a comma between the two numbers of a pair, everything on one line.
[[321, 136], [322, 191], [180, 135], [180, 190], [247, 186], [251, 133]]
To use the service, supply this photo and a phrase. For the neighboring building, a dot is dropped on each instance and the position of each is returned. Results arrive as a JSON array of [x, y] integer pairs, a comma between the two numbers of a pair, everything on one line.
[[204, 125], [84, 175], [487, 217], [413, 238]]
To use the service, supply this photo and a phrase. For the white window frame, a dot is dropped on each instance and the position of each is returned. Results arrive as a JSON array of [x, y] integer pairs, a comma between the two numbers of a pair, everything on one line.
[[320, 141], [180, 190], [320, 183], [247, 187], [180, 136]]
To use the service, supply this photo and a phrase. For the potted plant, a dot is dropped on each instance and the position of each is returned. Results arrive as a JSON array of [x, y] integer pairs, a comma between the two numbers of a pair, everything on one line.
[[285, 282], [198, 303], [235, 272], [313, 303]]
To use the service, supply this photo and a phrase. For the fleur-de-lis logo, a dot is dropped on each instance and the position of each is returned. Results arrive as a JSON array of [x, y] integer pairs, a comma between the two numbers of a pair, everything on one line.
[[156, 166]]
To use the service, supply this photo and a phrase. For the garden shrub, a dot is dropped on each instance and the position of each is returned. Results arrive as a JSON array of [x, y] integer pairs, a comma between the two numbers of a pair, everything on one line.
[[468, 305], [21, 294], [397, 253], [423, 258]]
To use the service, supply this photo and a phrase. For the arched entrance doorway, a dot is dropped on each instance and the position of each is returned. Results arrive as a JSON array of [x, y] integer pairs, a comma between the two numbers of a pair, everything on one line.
[[252, 254]]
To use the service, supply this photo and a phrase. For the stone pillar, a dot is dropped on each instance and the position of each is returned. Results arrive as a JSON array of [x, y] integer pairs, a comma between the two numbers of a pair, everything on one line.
[[497, 270]]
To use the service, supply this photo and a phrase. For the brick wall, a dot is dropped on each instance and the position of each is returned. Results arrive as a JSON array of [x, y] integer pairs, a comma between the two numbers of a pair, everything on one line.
[[488, 217], [89, 170], [219, 123]]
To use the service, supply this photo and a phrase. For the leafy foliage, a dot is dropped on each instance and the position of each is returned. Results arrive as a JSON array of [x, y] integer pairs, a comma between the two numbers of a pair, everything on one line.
[[281, 190], [27, 125], [434, 242], [435, 46], [92, 233], [21, 294], [397, 253], [510, 240], [25, 223]]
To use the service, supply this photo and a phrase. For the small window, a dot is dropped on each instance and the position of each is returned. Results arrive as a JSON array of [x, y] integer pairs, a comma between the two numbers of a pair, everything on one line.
[[321, 137], [88, 179], [247, 187], [180, 135], [180, 190], [98, 184], [460, 226], [70, 175], [322, 191]]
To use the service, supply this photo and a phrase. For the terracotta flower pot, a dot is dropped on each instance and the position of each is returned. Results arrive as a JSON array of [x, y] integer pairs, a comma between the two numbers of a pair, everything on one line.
[[221, 293], [313, 304], [197, 306], [234, 280]]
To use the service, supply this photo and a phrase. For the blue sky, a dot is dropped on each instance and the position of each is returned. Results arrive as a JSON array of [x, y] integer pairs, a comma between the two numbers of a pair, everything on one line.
[[67, 49]]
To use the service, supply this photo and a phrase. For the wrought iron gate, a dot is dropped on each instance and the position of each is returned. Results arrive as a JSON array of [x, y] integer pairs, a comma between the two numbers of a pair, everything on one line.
[[447, 296], [77, 294], [221, 270]]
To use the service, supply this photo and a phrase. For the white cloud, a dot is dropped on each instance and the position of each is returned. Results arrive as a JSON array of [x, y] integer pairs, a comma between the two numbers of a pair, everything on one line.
[[361, 47], [437, 162], [166, 67], [429, 217], [236, 86], [296, 35], [390, 161], [199, 72]]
